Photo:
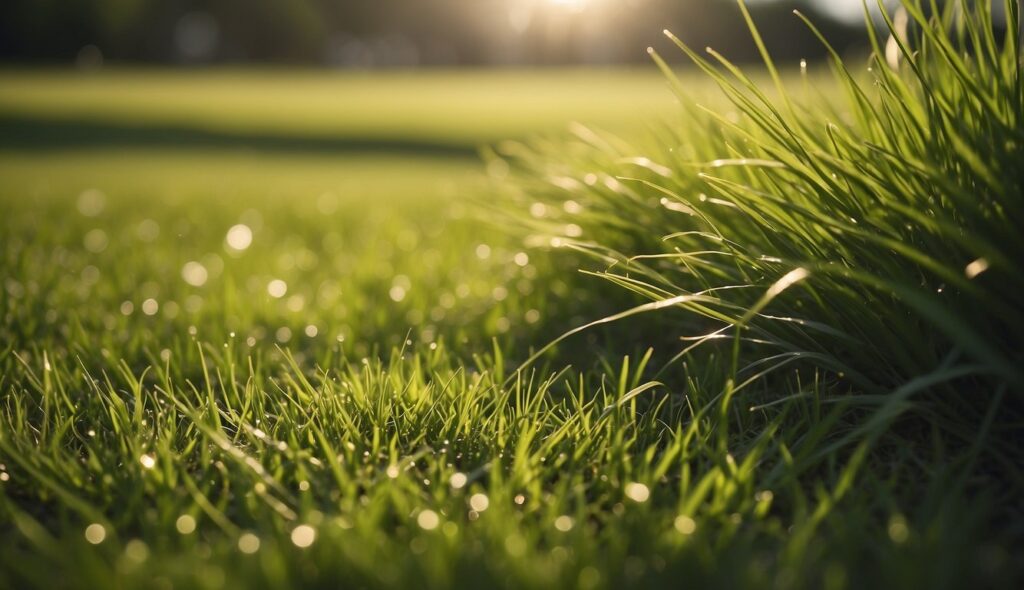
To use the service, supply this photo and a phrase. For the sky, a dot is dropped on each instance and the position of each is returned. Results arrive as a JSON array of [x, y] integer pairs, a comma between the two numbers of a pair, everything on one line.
[[851, 11]]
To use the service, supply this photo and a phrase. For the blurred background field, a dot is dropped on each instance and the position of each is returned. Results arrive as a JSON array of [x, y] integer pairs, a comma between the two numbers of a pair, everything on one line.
[[332, 111], [364, 193]]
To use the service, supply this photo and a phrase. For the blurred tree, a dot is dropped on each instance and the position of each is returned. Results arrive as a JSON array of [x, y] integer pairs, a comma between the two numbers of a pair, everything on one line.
[[393, 32]]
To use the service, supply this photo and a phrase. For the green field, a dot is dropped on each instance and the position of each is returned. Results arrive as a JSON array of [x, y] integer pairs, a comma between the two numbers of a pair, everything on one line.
[[461, 109], [365, 196], [277, 329]]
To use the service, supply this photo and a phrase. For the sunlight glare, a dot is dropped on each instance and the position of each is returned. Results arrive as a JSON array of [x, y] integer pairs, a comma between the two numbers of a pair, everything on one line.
[[574, 5]]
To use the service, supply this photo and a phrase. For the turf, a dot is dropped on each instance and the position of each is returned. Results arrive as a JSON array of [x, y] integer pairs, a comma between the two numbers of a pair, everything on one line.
[[304, 345]]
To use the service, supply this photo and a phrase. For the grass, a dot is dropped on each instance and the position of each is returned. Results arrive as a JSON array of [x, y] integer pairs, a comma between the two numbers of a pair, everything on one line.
[[343, 400], [437, 108]]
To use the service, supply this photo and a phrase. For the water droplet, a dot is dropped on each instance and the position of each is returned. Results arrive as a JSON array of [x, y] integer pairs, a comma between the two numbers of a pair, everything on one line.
[[685, 525], [479, 502], [637, 492], [248, 543], [95, 533], [239, 237], [150, 306], [564, 523], [194, 273], [458, 480], [136, 550], [976, 268], [303, 536], [428, 520], [277, 288], [185, 524]]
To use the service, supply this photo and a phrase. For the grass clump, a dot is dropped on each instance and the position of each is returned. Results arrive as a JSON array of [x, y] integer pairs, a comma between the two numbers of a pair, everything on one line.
[[869, 230]]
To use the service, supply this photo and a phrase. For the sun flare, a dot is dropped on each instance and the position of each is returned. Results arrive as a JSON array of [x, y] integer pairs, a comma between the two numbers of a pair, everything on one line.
[[575, 5]]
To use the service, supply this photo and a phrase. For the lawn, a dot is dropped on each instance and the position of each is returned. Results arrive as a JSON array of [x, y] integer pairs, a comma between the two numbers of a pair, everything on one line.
[[437, 108], [276, 329]]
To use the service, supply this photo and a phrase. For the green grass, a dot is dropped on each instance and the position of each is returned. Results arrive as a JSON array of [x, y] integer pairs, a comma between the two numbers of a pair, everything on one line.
[[170, 418], [436, 107]]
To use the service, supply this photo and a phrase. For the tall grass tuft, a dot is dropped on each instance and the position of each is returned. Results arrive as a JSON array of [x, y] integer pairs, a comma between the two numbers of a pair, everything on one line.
[[866, 224]]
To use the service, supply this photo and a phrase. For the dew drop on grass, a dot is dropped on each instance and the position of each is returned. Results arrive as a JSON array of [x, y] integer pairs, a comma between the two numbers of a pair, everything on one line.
[[458, 480], [397, 293], [283, 334], [239, 237], [479, 502], [303, 536], [685, 525], [185, 524], [296, 303], [150, 306], [564, 523], [428, 520], [277, 288], [95, 533], [147, 461], [194, 273], [637, 492], [976, 268], [248, 543], [136, 550]]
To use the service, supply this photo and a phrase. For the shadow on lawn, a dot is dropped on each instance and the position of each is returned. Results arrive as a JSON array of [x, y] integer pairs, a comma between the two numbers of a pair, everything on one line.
[[42, 134]]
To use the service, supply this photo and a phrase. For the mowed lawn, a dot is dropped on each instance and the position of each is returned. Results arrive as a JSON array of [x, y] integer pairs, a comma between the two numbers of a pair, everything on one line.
[[265, 329], [241, 233], [364, 193]]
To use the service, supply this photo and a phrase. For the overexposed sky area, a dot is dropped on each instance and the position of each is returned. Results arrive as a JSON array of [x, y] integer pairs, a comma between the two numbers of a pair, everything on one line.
[[852, 11], [844, 10]]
